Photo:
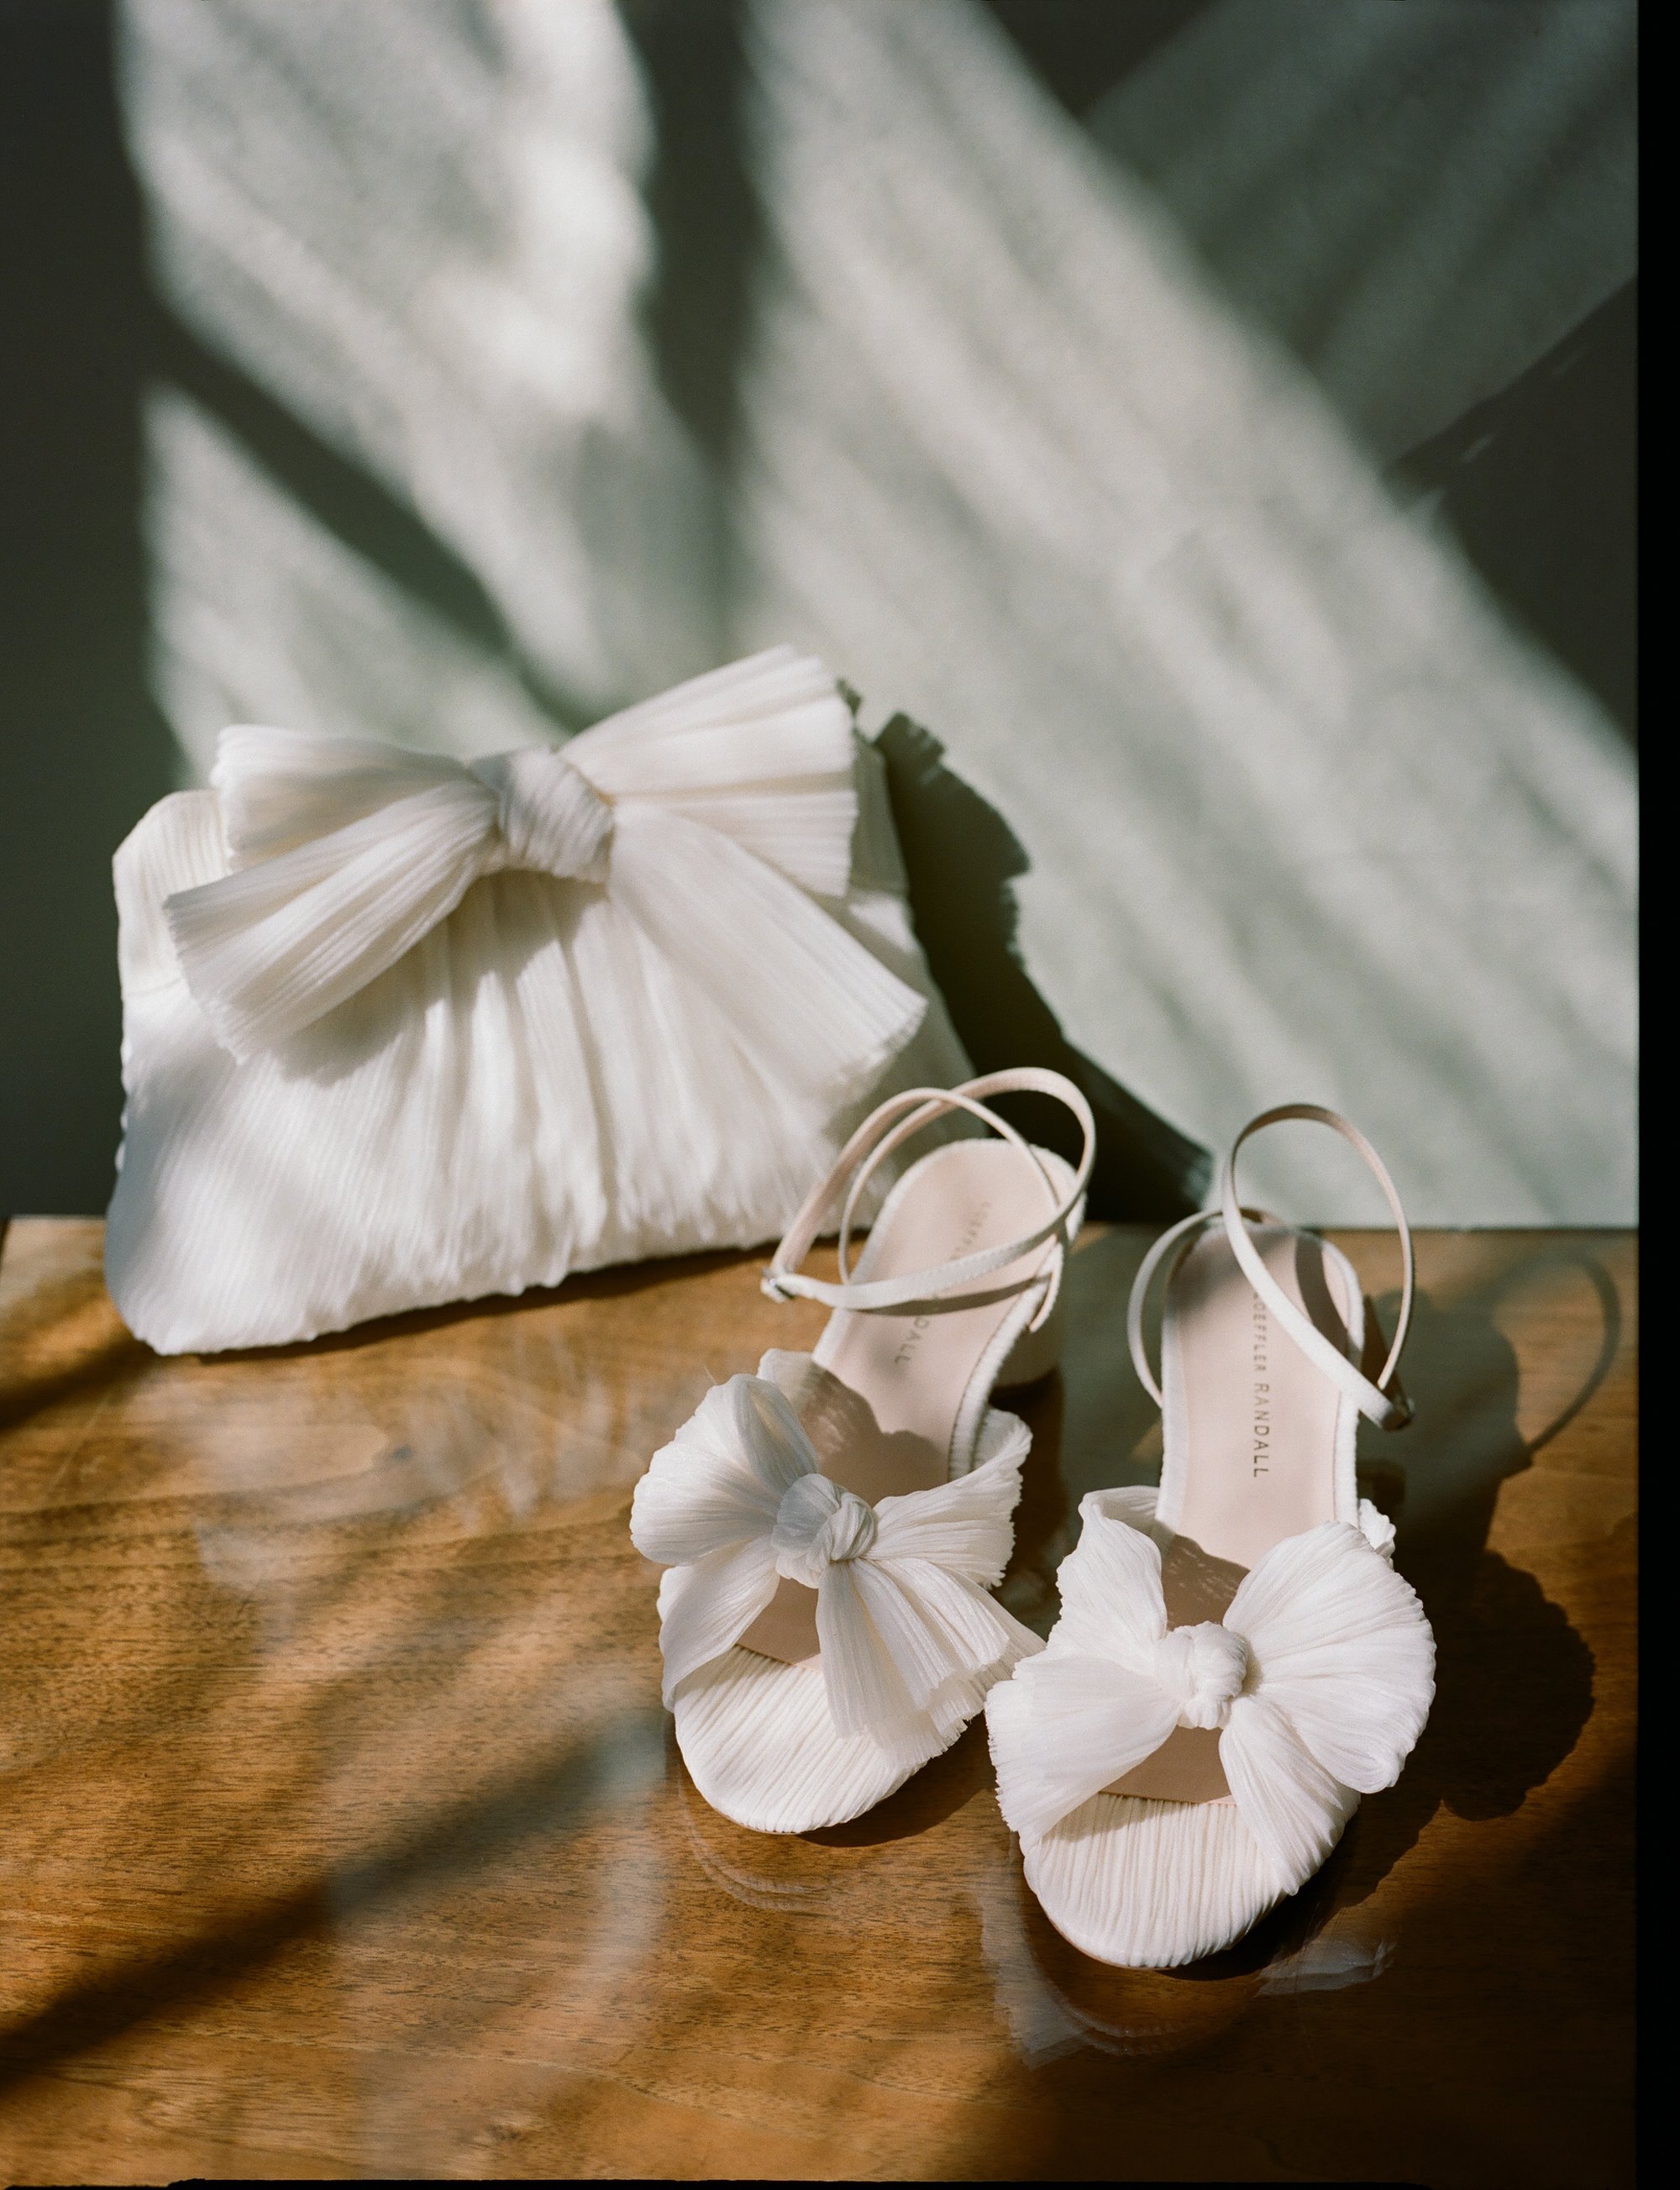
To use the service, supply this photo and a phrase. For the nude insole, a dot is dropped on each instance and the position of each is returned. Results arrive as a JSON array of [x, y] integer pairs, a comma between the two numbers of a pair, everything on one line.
[[1256, 1459], [881, 1405]]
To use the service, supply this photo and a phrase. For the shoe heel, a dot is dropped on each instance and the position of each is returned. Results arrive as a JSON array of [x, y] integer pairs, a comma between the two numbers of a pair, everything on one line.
[[1035, 1352]]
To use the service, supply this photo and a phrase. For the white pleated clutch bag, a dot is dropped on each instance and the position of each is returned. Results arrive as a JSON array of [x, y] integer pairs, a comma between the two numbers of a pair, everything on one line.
[[398, 1031]]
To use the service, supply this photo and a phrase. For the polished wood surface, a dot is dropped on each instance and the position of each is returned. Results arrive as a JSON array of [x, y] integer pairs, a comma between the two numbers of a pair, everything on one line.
[[341, 1833]]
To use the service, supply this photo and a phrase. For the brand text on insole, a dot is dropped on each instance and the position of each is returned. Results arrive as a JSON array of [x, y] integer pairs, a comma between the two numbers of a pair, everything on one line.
[[1259, 1356], [919, 1329]]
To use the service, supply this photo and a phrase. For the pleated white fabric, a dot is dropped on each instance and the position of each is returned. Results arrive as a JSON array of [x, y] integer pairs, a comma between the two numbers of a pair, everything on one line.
[[1319, 1679], [911, 1639], [398, 1032]]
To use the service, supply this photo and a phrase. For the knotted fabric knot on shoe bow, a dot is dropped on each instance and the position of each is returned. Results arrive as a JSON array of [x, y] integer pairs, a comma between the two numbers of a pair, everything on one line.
[[818, 1524], [551, 820], [1202, 1669]]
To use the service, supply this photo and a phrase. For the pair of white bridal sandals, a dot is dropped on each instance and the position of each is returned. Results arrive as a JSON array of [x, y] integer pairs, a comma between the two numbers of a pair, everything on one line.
[[833, 1526], [1236, 1660]]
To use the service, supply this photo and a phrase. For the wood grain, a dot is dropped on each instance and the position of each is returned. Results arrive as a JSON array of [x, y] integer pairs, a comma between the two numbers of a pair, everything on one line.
[[341, 1832]]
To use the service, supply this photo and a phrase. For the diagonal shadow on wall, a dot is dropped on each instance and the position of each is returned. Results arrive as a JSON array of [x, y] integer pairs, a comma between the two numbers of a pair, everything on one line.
[[1538, 486], [357, 509], [961, 854]]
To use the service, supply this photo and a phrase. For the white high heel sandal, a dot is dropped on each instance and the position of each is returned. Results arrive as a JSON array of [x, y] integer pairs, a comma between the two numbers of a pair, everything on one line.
[[833, 1526], [1236, 1660]]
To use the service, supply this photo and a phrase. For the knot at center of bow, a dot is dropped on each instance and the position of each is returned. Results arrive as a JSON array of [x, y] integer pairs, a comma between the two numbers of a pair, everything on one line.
[[551, 820], [1203, 1670], [819, 1524]]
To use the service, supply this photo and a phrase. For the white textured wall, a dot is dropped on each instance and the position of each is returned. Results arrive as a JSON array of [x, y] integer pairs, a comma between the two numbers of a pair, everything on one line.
[[1305, 815]]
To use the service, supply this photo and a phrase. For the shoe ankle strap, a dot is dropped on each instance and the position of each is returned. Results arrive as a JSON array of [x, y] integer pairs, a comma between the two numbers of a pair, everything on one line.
[[884, 1131], [1384, 1401]]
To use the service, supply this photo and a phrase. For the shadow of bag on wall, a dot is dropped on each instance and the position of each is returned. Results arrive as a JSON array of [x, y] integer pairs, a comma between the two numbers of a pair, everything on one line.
[[962, 858]]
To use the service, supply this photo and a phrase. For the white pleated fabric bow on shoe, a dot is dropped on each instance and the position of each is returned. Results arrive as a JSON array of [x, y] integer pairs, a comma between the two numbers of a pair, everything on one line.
[[907, 1630], [399, 1031], [1318, 1680]]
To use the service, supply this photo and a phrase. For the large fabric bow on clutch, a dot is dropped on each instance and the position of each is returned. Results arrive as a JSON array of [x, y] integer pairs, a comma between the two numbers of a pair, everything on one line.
[[1319, 1679], [398, 1031]]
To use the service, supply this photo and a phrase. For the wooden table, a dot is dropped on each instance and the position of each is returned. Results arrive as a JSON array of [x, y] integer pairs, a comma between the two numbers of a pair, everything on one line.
[[343, 1832]]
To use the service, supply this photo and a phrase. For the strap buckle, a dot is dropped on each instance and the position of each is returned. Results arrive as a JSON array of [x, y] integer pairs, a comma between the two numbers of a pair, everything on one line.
[[1402, 1411]]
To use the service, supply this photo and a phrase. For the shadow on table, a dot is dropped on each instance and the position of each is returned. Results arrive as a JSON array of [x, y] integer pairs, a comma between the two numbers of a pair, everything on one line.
[[449, 1842], [1515, 1679], [62, 1341]]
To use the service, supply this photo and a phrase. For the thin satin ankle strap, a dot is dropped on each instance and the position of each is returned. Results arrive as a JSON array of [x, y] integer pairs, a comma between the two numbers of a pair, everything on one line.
[[1383, 1402], [1146, 1278], [886, 1129]]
